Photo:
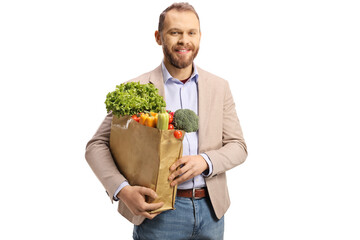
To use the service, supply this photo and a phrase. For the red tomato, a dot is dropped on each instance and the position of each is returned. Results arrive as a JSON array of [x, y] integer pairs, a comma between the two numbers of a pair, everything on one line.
[[171, 118], [178, 134], [135, 117], [171, 126]]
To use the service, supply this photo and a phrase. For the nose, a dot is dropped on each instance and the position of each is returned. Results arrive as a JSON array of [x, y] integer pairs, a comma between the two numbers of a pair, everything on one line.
[[183, 39]]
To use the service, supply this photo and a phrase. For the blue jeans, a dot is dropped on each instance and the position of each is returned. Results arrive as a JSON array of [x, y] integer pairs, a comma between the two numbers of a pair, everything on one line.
[[191, 219]]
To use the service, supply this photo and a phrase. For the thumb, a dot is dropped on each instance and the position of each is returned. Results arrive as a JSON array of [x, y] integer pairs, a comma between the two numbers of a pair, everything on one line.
[[148, 192]]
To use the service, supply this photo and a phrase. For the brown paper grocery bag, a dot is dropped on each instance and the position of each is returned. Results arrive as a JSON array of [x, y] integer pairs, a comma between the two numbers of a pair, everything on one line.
[[144, 155]]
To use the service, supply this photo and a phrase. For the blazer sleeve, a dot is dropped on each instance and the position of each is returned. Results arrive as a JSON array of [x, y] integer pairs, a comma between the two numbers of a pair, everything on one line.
[[234, 150], [99, 158]]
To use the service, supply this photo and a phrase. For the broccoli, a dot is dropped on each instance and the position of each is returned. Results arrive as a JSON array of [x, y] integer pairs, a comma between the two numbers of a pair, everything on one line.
[[187, 120]]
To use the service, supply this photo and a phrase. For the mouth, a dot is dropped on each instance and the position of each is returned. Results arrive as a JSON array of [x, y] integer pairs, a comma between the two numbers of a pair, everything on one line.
[[182, 51]]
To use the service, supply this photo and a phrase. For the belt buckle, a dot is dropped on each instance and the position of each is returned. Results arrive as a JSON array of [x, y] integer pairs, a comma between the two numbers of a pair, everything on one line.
[[193, 194]]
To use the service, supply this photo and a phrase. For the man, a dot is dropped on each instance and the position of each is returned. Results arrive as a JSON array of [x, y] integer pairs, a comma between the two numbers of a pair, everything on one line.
[[218, 146]]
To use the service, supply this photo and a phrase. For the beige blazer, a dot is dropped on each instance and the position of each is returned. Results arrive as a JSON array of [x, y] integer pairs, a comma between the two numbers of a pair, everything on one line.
[[220, 137]]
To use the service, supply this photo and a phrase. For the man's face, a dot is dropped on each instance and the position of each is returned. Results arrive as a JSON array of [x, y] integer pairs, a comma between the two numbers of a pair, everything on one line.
[[180, 38]]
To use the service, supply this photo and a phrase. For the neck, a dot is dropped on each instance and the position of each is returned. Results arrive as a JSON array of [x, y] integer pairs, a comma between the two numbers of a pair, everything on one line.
[[178, 73]]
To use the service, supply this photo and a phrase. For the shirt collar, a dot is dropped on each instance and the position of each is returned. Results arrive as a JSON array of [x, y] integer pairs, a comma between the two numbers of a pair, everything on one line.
[[167, 77]]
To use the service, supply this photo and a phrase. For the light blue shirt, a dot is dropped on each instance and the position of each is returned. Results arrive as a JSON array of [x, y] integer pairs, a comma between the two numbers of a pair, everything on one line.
[[183, 96]]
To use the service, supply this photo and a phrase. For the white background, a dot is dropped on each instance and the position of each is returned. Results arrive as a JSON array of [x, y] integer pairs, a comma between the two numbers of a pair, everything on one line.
[[293, 67]]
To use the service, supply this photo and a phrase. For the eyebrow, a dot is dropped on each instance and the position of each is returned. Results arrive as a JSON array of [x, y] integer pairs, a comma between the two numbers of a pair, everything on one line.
[[174, 29], [178, 29]]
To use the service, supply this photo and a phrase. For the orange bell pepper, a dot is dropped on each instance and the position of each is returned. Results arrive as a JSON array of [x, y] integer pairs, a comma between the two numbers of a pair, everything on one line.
[[143, 118], [148, 119]]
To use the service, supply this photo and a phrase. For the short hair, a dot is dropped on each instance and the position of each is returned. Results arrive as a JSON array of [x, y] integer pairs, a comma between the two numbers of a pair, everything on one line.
[[182, 7]]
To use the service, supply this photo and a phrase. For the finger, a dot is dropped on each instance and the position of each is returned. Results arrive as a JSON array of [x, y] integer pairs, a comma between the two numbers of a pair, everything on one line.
[[153, 206], [150, 215], [179, 162], [186, 176], [143, 207], [178, 172], [148, 192]]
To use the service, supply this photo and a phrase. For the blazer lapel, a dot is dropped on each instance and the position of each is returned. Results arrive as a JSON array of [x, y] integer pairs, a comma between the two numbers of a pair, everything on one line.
[[204, 107], [156, 78]]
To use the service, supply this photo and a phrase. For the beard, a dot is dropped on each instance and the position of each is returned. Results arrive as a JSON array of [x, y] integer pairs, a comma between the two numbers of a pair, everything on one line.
[[180, 61]]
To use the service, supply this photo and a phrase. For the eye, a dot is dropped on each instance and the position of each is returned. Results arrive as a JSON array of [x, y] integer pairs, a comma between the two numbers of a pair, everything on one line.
[[174, 32], [192, 33]]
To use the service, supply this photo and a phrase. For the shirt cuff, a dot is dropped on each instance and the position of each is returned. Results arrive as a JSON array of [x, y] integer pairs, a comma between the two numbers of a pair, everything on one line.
[[122, 185], [207, 172]]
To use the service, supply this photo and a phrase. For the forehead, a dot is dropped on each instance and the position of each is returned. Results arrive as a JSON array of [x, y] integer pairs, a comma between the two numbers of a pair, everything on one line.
[[181, 20]]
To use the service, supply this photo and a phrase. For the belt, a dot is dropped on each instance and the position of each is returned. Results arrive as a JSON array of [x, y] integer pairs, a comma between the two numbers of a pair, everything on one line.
[[192, 193]]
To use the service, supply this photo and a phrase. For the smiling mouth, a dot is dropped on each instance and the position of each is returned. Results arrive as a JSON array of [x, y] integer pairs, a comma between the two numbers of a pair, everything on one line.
[[182, 51]]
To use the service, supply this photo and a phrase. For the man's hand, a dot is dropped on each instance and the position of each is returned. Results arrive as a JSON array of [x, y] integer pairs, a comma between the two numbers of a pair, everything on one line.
[[134, 198], [190, 166]]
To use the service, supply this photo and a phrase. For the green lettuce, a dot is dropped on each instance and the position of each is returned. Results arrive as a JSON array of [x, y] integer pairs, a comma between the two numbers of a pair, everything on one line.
[[132, 98]]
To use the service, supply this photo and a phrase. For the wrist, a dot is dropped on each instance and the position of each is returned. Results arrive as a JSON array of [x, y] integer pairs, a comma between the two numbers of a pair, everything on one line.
[[123, 192], [209, 167], [122, 185]]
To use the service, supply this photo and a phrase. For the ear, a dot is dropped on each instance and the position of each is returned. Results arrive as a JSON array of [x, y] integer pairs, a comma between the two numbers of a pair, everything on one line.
[[158, 37]]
